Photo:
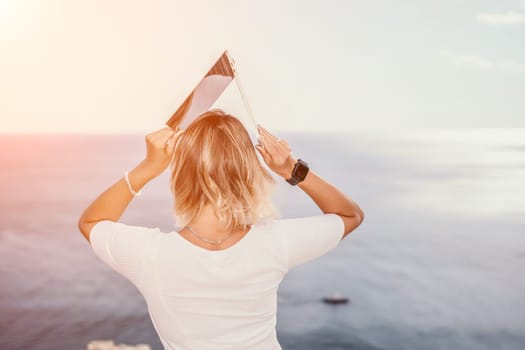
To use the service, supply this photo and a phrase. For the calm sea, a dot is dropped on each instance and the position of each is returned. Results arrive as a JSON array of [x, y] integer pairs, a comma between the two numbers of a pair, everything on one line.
[[438, 263]]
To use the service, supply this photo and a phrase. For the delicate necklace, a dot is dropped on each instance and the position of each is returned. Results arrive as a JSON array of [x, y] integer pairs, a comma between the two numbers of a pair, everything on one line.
[[208, 240]]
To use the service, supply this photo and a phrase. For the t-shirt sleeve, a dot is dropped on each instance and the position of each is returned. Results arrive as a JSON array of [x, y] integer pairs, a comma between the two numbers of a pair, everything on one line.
[[122, 247], [308, 238]]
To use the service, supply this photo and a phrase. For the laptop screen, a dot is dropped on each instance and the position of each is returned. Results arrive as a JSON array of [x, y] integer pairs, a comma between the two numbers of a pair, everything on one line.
[[204, 94]]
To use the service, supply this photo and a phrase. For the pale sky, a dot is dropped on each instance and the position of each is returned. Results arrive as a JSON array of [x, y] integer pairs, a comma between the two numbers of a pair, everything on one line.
[[125, 66]]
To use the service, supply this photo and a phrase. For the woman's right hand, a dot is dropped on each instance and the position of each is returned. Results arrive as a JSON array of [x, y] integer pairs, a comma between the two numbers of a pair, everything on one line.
[[277, 153]]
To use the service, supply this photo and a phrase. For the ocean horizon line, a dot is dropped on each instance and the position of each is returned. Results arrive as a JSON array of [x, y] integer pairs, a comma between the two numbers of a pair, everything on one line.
[[291, 132]]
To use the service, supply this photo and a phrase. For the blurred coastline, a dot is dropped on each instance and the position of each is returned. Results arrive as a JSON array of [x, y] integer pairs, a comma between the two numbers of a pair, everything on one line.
[[436, 264]]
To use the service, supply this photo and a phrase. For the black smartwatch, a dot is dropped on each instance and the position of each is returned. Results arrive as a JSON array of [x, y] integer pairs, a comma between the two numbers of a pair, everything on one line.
[[299, 172]]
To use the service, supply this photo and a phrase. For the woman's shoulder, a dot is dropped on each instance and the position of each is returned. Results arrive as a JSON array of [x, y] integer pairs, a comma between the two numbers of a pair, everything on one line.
[[299, 220]]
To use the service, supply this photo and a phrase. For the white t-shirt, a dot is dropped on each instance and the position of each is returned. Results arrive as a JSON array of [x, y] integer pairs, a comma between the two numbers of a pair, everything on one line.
[[201, 299]]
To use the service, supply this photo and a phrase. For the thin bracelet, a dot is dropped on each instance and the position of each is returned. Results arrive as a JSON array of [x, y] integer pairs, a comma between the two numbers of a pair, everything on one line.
[[129, 185]]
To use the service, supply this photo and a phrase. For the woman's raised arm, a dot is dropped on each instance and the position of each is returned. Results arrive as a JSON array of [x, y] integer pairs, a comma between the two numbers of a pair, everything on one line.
[[111, 204], [277, 155]]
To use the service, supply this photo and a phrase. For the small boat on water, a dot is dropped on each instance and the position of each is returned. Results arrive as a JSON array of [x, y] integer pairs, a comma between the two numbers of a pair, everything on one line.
[[336, 298]]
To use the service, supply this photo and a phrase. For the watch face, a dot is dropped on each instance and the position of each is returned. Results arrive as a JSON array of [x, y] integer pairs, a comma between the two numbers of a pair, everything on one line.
[[301, 171]]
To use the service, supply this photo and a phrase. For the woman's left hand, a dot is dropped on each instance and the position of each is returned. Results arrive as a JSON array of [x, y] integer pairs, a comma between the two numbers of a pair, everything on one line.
[[159, 149], [112, 202]]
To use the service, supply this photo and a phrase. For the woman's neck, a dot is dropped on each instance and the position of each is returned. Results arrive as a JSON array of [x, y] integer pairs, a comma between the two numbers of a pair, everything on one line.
[[208, 224]]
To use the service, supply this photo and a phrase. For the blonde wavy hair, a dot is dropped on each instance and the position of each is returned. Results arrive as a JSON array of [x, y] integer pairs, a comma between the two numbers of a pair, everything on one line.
[[215, 163]]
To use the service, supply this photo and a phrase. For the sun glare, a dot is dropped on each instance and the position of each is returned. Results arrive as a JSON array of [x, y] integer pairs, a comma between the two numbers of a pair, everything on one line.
[[15, 15]]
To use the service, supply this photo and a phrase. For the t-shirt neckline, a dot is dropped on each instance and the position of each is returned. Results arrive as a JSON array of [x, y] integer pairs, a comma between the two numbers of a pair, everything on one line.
[[219, 251]]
